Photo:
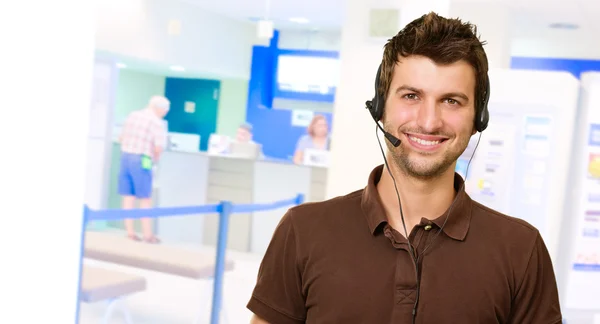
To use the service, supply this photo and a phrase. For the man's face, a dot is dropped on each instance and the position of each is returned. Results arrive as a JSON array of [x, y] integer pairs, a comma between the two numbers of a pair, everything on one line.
[[163, 113], [430, 108], [243, 135], [160, 112]]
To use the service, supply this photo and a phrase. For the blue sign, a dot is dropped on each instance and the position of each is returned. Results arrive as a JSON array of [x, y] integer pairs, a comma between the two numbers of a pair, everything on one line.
[[594, 139], [591, 232]]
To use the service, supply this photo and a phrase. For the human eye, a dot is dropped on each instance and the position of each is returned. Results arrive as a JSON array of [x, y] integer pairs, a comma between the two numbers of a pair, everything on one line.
[[411, 96], [452, 102]]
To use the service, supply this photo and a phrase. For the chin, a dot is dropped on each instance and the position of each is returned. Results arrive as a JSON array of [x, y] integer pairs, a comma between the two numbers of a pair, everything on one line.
[[426, 167]]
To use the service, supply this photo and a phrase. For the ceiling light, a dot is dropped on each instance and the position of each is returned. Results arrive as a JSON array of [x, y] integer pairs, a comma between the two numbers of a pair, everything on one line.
[[177, 68], [265, 29], [568, 26], [121, 65], [299, 20]]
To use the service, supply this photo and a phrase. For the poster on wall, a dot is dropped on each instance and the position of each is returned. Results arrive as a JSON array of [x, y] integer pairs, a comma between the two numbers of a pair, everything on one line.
[[584, 282], [492, 167], [537, 132], [302, 118], [594, 138]]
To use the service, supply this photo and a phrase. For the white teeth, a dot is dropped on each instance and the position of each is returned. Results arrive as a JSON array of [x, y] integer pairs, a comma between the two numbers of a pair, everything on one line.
[[423, 142]]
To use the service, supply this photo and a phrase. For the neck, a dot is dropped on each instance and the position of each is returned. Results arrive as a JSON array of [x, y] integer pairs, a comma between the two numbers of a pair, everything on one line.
[[421, 198]]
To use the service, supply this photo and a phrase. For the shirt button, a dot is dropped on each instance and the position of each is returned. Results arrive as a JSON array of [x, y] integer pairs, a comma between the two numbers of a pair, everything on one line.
[[427, 227]]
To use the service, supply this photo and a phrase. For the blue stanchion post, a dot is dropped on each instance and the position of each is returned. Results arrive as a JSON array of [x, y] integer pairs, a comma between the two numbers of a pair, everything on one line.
[[225, 213], [86, 212], [300, 199]]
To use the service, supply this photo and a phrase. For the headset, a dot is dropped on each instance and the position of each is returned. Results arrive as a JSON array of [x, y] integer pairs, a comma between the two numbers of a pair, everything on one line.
[[376, 107]]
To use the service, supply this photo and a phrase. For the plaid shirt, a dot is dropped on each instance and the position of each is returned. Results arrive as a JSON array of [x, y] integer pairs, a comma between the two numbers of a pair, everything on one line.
[[142, 132]]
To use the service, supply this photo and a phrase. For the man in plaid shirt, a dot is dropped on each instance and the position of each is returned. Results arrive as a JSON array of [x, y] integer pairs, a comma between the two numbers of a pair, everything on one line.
[[142, 139]]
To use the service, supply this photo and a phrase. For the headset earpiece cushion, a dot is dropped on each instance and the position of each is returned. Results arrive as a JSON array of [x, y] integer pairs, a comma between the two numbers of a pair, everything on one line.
[[483, 115]]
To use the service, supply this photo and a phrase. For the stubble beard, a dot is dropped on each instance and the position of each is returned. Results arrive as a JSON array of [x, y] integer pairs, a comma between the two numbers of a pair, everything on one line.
[[419, 166]]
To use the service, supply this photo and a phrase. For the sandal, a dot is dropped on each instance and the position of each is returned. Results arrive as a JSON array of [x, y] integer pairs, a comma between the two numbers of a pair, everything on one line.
[[134, 237], [152, 240]]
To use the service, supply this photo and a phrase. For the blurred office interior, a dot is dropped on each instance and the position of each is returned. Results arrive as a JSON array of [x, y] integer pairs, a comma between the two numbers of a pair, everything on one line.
[[248, 82]]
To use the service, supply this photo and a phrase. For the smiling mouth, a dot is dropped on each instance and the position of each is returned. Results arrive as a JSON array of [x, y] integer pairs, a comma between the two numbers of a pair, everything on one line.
[[426, 140]]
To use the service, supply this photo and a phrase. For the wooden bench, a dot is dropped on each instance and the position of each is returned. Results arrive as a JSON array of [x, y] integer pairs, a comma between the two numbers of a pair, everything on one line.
[[99, 284], [115, 248], [110, 247]]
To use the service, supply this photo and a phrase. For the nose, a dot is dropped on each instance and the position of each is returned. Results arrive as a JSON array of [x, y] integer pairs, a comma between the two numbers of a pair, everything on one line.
[[429, 117]]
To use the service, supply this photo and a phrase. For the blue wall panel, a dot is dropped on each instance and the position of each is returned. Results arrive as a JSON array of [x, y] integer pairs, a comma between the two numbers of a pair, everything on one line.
[[272, 127], [575, 67]]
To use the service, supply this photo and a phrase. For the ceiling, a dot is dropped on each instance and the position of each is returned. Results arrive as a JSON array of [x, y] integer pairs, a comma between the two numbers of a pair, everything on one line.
[[530, 20], [152, 67], [528, 16], [322, 14]]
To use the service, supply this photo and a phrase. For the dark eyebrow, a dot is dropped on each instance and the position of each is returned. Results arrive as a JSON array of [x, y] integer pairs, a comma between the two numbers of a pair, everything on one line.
[[457, 95], [419, 91], [408, 88]]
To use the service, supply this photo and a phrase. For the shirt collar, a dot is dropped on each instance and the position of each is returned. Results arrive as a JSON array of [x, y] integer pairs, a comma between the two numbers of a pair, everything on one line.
[[458, 222]]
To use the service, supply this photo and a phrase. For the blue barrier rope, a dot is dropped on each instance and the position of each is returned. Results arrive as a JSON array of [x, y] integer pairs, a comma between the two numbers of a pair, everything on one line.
[[248, 208], [120, 214], [225, 209]]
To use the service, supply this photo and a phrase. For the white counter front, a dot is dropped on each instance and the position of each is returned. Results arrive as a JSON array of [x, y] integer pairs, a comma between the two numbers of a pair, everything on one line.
[[185, 179]]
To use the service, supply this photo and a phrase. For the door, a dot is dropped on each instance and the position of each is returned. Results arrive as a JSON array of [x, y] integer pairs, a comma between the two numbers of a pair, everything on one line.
[[194, 104]]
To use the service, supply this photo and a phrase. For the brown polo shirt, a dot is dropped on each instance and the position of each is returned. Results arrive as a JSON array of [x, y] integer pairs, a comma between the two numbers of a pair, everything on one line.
[[339, 261]]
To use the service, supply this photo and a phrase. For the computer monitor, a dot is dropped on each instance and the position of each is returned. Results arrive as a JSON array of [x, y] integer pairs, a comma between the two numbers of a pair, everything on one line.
[[245, 150]]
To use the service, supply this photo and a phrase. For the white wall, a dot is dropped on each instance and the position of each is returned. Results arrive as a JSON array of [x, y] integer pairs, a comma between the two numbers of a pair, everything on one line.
[[207, 42], [47, 63], [310, 40], [352, 126], [535, 42], [559, 44]]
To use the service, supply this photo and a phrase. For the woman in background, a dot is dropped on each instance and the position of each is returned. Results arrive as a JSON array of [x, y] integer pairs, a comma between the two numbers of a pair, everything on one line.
[[317, 138]]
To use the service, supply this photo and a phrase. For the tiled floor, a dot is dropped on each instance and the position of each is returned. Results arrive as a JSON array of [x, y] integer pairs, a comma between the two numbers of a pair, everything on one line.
[[170, 299]]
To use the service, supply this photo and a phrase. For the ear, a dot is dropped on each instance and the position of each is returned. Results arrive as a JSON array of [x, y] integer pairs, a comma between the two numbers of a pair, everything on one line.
[[474, 131]]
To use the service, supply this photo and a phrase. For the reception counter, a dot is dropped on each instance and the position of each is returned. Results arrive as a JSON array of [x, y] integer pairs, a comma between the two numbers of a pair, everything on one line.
[[186, 178]]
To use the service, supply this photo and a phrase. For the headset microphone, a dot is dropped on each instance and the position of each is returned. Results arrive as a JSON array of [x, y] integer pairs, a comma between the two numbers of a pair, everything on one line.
[[393, 139]]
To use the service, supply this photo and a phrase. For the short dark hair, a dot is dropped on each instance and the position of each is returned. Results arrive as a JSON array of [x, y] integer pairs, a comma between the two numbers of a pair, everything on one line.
[[443, 40], [247, 126]]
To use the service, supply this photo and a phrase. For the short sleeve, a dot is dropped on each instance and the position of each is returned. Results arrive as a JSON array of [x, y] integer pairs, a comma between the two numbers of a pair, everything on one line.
[[160, 134], [536, 300], [303, 143], [277, 297]]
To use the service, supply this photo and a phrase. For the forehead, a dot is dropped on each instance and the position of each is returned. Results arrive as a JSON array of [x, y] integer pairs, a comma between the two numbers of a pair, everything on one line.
[[423, 73]]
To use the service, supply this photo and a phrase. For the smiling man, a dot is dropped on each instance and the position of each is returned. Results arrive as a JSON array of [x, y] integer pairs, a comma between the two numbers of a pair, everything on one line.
[[412, 247]]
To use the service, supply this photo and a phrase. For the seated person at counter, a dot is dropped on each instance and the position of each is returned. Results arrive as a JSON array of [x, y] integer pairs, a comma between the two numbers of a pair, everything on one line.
[[317, 138], [244, 134]]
